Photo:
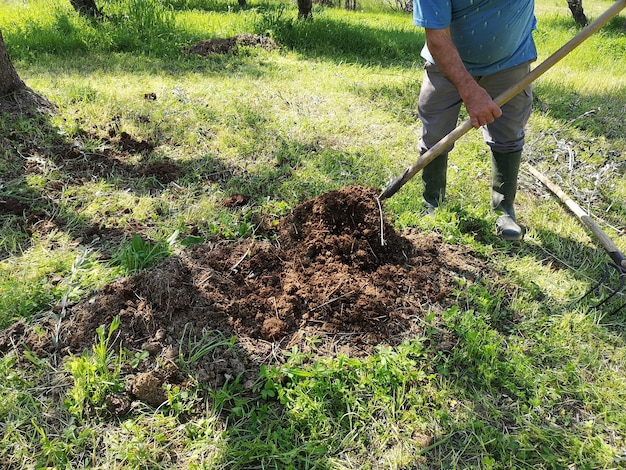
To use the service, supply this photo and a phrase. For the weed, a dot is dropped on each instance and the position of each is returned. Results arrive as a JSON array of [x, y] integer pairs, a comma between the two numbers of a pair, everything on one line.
[[195, 349], [139, 254], [35, 282], [331, 401], [141, 24], [96, 374]]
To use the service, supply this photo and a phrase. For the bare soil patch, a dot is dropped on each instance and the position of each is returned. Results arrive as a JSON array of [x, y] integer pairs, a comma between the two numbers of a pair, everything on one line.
[[231, 45], [325, 277]]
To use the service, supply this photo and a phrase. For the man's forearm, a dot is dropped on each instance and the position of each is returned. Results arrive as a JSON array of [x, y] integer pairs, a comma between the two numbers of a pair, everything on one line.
[[449, 61], [479, 105]]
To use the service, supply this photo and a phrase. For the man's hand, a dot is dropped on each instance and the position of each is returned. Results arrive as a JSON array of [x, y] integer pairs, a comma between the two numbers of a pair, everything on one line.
[[481, 108]]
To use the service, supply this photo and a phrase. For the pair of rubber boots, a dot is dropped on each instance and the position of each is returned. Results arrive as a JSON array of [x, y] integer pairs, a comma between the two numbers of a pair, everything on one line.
[[505, 168]]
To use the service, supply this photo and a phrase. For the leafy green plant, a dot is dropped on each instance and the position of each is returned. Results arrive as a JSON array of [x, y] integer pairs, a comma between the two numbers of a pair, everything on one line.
[[95, 374], [139, 254], [194, 349], [330, 401]]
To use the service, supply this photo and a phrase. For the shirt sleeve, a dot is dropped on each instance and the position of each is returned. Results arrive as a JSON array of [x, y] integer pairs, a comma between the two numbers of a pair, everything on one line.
[[432, 14]]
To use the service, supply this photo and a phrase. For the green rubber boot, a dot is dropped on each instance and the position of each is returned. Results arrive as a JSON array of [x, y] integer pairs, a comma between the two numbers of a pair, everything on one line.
[[505, 168], [434, 176]]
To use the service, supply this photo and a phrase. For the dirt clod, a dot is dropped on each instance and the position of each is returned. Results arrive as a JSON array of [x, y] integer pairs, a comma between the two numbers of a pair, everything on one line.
[[148, 387], [273, 328]]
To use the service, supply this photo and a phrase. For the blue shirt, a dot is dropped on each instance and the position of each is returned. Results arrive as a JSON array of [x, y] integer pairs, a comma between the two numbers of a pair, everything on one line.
[[490, 35]]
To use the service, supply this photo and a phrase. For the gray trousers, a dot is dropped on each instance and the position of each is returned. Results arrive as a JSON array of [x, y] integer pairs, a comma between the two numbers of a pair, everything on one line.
[[440, 103]]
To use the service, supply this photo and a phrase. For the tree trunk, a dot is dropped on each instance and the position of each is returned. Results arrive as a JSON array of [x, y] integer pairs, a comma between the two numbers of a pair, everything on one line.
[[15, 96], [305, 8], [86, 8], [10, 81], [576, 7]]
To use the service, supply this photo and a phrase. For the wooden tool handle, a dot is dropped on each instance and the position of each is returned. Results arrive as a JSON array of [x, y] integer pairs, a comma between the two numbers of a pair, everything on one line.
[[602, 237]]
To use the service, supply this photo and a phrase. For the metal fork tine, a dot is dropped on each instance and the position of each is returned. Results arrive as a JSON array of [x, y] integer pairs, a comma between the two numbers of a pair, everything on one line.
[[622, 278]]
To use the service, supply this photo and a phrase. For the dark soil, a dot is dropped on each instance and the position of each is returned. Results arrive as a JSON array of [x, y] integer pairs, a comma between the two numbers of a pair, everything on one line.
[[324, 277], [231, 45], [10, 205]]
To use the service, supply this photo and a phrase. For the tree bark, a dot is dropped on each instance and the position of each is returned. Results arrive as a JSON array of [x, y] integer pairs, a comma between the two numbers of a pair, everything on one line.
[[305, 8], [15, 96], [10, 82], [86, 8], [576, 7]]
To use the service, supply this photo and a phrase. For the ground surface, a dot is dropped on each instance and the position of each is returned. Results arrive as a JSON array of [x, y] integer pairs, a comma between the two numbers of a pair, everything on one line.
[[326, 277], [332, 277]]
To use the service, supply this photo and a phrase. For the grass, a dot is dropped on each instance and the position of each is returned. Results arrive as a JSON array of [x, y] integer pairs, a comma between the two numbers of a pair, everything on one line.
[[535, 378]]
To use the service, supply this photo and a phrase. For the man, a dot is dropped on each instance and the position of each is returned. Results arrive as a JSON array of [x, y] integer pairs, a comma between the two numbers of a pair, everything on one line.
[[476, 49]]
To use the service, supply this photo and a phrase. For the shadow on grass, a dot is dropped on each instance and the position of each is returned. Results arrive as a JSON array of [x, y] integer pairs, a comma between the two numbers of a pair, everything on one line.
[[40, 165], [349, 39], [564, 22], [599, 114], [590, 265]]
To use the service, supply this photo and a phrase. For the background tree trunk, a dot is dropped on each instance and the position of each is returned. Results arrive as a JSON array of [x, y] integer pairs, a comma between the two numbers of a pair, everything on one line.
[[305, 8], [10, 81], [86, 8], [576, 7]]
